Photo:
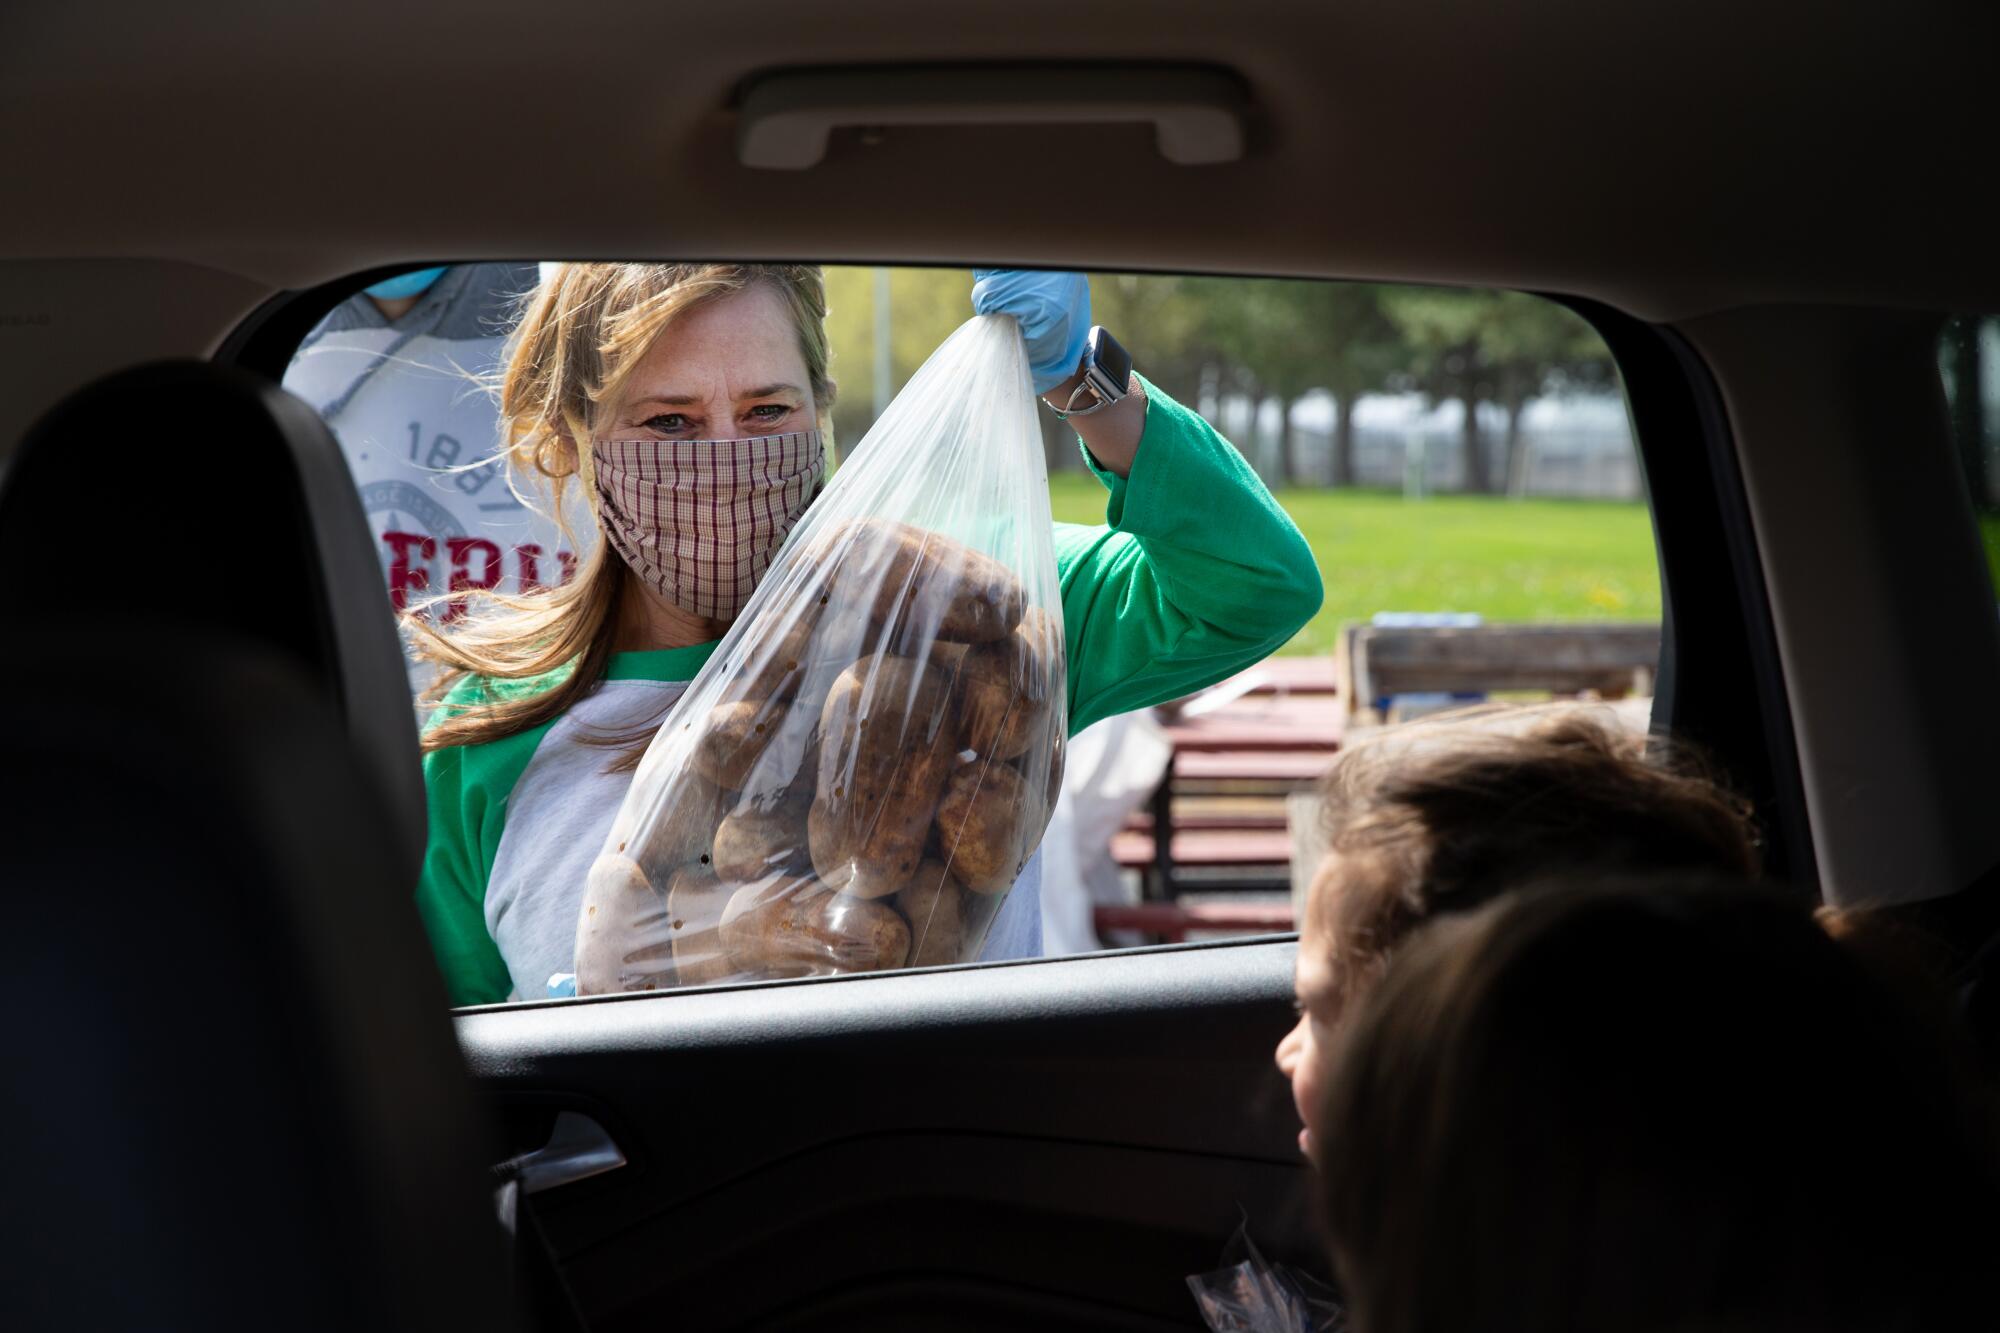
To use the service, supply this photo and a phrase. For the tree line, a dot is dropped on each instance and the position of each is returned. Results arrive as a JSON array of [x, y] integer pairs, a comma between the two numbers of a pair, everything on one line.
[[1268, 341]]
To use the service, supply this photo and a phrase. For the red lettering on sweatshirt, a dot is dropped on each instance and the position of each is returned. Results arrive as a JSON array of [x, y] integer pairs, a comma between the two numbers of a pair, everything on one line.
[[407, 576], [463, 549]]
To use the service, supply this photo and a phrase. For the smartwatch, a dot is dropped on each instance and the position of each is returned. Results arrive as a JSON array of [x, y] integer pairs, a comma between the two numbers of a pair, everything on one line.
[[1107, 370]]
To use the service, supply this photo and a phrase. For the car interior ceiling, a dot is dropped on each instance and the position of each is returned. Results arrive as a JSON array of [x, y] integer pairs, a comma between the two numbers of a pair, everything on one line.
[[1766, 251]]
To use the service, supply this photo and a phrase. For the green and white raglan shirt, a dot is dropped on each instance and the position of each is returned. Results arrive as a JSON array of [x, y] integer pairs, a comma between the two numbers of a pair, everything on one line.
[[1195, 574]]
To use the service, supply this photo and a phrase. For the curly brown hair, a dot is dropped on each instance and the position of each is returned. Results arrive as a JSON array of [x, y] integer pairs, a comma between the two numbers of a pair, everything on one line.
[[1446, 814]]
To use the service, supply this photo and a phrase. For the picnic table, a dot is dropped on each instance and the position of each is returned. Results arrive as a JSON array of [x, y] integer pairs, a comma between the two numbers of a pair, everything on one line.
[[1271, 731], [1237, 750]]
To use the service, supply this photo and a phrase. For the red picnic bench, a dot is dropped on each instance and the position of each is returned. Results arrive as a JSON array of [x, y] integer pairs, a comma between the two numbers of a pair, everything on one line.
[[1171, 922], [1245, 743], [1271, 731]]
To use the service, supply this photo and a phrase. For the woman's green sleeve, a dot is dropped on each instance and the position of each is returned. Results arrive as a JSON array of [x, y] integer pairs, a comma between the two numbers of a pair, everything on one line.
[[1196, 573]]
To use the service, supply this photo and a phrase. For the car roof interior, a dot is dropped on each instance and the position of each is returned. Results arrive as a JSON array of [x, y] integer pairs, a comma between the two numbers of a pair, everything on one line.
[[1766, 211], [1668, 160]]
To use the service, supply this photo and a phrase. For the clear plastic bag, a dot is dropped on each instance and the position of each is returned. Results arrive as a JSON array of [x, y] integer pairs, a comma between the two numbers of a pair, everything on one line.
[[868, 760], [1250, 1294]]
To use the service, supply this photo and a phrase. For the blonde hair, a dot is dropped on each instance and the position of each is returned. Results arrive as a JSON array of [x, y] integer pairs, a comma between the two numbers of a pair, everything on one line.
[[582, 332]]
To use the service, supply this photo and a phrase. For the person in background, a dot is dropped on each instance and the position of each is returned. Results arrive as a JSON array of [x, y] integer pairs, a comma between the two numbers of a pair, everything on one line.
[[1110, 770], [1664, 1105], [400, 373], [1446, 814]]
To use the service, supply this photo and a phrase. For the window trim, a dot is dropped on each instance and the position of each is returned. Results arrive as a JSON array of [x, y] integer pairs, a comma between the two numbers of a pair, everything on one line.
[[1727, 692]]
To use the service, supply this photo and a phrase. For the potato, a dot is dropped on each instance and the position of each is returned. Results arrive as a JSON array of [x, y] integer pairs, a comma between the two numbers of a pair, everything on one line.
[[682, 830], [785, 774], [695, 904], [934, 905], [887, 746], [1005, 689], [798, 927], [761, 924], [881, 708], [751, 843], [943, 654], [910, 579], [771, 667], [986, 824], [860, 934], [733, 737], [621, 911]]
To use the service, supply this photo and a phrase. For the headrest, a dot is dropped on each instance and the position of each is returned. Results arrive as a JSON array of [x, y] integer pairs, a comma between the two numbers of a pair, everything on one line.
[[202, 496], [237, 1101]]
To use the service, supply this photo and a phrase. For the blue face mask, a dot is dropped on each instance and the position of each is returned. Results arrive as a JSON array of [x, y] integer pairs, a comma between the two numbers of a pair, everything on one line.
[[405, 285]]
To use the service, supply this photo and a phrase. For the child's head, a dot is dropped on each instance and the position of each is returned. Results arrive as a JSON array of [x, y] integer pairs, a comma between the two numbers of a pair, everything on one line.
[[1650, 1105], [1444, 815]]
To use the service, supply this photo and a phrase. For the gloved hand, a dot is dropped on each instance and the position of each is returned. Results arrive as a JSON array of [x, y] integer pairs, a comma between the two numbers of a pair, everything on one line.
[[1054, 312]]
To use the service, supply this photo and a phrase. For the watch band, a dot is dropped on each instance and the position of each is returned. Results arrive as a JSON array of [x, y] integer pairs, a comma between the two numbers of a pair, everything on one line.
[[1069, 409], [1094, 383]]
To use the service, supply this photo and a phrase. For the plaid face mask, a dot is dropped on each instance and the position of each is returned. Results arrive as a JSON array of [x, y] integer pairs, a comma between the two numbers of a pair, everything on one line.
[[699, 520]]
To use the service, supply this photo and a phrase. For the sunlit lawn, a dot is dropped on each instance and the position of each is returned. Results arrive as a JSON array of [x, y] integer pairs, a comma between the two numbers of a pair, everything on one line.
[[1506, 559]]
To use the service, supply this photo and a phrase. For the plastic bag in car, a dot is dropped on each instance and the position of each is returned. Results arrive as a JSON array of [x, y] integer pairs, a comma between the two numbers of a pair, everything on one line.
[[1250, 1294], [868, 759]]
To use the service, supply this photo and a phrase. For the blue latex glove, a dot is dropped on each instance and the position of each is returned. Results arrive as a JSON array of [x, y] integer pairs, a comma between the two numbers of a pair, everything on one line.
[[1054, 312]]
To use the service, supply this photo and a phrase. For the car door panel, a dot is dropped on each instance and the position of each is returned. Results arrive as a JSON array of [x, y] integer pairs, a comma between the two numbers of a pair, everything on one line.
[[1069, 1138]]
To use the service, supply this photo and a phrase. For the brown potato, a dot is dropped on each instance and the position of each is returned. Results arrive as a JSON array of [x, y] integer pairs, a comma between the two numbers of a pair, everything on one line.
[[771, 667], [681, 830], [934, 905], [860, 934], [695, 903], [917, 581], [798, 927], [875, 858], [986, 825], [621, 912], [751, 843], [881, 708], [1005, 689], [733, 737], [761, 923], [886, 749], [784, 775]]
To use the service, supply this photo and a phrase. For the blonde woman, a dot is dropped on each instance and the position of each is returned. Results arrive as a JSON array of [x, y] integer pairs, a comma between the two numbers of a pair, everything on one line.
[[656, 388]]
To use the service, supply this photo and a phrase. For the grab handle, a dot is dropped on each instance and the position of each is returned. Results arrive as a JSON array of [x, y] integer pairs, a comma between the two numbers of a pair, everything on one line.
[[1196, 113]]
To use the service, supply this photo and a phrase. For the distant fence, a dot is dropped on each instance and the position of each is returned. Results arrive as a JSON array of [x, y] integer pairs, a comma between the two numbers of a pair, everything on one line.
[[1584, 464]]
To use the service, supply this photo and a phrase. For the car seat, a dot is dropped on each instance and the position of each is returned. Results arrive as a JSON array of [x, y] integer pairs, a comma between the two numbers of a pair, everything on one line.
[[212, 497], [234, 1096]]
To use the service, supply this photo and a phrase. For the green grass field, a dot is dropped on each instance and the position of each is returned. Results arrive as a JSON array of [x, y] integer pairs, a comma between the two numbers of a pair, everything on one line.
[[1506, 559]]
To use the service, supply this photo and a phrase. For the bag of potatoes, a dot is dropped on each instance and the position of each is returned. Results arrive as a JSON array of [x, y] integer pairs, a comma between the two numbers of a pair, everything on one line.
[[868, 760]]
